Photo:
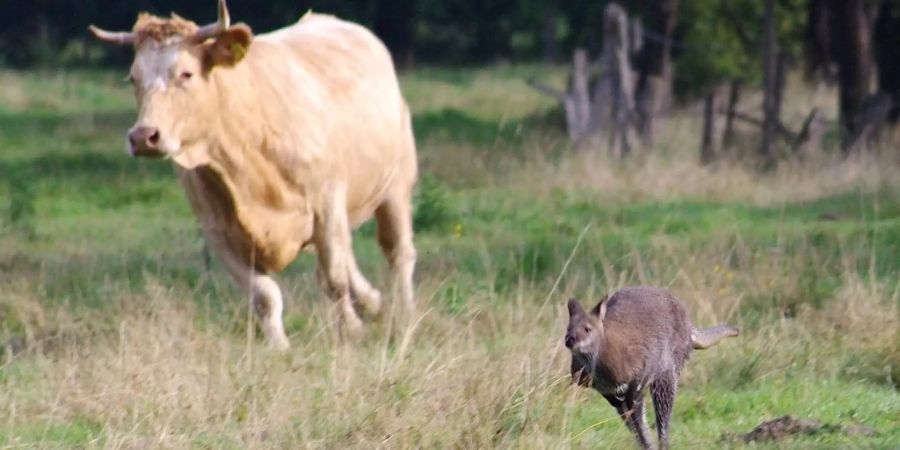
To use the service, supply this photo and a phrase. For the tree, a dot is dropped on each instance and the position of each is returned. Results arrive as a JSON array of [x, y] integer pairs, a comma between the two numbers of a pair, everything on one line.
[[723, 42], [394, 23], [654, 65], [770, 87], [855, 64], [886, 40], [840, 34]]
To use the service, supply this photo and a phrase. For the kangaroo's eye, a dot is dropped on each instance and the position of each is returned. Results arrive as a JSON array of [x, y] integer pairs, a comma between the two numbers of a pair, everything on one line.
[[587, 328], [184, 76]]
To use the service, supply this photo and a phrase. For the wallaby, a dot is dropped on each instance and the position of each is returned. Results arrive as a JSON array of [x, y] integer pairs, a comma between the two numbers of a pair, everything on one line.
[[635, 338]]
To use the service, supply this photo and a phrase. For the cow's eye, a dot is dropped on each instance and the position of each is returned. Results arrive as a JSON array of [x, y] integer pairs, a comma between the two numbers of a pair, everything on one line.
[[184, 76]]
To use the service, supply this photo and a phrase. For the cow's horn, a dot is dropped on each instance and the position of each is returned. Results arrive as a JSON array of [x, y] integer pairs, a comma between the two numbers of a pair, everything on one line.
[[113, 37], [214, 29]]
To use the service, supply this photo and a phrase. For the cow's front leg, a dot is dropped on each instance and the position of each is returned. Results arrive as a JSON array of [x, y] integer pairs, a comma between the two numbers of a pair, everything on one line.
[[268, 305], [334, 248], [265, 296]]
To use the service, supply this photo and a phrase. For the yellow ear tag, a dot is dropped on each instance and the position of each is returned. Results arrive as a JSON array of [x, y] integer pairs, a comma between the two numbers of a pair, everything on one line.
[[238, 51]]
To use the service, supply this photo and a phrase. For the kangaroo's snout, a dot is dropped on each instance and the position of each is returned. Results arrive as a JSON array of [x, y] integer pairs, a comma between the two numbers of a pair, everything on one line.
[[570, 341]]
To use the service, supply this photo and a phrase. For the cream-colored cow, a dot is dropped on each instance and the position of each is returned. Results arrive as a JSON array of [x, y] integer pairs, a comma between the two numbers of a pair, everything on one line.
[[283, 141]]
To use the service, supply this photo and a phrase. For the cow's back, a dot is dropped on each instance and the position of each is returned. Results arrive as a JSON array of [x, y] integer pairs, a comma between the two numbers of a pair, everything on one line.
[[343, 56], [366, 123]]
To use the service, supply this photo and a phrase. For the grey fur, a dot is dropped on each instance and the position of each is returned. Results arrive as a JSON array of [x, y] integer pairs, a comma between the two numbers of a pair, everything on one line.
[[635, 338]]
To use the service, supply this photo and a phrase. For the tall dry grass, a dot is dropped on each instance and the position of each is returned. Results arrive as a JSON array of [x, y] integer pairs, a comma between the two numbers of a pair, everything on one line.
[[157, 372]]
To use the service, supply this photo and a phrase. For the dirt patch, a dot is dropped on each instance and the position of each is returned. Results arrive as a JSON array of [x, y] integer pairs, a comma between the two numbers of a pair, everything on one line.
[[782, 427], [786, 426]]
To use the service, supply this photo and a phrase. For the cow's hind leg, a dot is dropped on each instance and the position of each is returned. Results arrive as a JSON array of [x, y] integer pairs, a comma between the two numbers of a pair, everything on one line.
[[335, 252], [363, 293], [395, 236], [265, 296]]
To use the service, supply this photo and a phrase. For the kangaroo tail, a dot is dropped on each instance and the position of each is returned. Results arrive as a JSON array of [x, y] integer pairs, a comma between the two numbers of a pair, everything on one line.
[[702, 339]]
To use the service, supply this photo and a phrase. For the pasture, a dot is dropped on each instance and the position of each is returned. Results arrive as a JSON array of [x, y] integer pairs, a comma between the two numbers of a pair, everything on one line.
[[117, 332]]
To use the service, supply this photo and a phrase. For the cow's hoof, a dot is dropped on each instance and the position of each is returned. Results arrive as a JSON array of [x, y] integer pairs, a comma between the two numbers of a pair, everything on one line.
[[353, 327], [280, 344], [371, 306]]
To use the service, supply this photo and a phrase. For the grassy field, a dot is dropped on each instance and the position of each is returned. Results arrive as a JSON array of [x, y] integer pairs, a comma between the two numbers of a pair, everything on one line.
[[117, 335]]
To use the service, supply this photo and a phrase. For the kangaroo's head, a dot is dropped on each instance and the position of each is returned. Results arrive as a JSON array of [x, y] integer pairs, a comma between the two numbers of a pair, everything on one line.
[[585, 328]]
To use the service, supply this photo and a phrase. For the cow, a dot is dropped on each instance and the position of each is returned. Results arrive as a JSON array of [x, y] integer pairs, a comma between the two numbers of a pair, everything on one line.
[[283, 142]]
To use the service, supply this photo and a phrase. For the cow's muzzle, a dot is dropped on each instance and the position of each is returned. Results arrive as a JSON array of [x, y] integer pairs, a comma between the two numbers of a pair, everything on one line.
[[144, 141]]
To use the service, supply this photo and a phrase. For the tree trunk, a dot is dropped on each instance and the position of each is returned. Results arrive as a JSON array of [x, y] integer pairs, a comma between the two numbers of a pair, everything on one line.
[[707, 145], [654, 66], [886, 44], [781, 63], [770, 88], [853, 54], [548, 35], [733, 96], [810, 137], [617, 72], [819, 21], [578, 102]]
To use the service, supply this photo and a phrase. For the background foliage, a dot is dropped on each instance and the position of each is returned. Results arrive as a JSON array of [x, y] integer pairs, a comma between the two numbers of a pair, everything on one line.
[[716, 38]]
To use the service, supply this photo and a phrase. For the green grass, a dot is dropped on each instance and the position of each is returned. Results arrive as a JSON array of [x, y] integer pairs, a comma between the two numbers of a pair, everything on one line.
[[707, 416], [75, 434], [132, 342]]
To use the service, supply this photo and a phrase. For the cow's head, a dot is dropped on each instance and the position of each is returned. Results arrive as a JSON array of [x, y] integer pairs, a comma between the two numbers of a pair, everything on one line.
[[171, 74]]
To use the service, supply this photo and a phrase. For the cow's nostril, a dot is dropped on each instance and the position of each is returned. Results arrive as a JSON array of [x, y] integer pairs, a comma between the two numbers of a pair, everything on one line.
[[144, 140]]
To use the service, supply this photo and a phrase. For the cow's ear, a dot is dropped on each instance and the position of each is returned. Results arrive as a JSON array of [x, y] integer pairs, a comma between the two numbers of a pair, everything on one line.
[[230, 47]]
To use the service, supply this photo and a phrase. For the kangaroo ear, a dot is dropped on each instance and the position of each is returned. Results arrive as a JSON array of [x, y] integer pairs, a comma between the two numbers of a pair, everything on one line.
[[599, 311], [575, 309]]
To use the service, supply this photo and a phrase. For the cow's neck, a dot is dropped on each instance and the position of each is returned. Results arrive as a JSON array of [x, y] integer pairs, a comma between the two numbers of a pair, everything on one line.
[[231, 133], [272, 212], [234, 145], [237, 127]]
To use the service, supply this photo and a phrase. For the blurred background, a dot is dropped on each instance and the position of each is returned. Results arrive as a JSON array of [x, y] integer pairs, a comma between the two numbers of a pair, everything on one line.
[[741, 153]]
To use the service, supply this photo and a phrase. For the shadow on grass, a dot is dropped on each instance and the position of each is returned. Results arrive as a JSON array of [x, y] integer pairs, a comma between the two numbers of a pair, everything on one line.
[[58, 148], [454, 125], [458, 126], [28, 124]]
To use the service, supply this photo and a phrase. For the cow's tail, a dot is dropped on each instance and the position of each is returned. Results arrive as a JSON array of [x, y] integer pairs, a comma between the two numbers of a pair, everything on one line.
[[706, 338]]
